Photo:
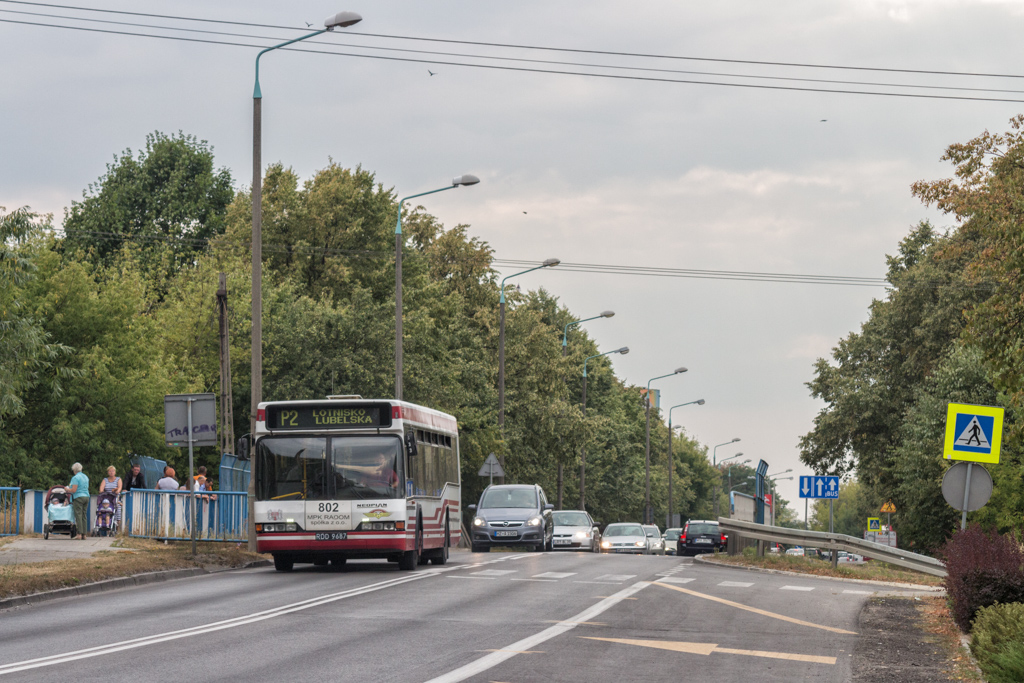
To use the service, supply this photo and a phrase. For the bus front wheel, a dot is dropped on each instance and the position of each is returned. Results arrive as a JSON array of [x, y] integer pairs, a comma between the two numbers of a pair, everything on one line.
[[283, 564]]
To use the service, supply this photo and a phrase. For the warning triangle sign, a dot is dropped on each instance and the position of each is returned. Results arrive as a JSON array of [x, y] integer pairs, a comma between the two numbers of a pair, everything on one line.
[[973, 435]]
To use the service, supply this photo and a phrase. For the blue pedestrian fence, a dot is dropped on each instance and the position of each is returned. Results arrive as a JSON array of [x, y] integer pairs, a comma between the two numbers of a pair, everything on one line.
[[218, 516], [10, 510]]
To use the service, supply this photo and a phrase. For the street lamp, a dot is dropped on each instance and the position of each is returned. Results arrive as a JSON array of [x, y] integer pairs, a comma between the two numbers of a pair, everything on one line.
[[565, 350], [734, 465], [742, 483], [342, 19], [647, 449], [714, 463], [583, 451], [456, 182], [698, 402], [772, 478], [548, 263]]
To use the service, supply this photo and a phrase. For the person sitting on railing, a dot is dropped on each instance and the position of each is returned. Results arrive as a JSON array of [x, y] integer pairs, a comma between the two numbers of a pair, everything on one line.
[[136, 479]]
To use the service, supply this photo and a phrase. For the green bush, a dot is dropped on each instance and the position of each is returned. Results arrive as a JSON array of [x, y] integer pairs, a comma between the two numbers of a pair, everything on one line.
[[750, 552], [997, 642]]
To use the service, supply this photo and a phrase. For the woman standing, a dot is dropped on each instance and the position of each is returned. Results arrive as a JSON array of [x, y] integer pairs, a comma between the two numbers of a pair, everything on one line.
[[113, 484], [79, 488]]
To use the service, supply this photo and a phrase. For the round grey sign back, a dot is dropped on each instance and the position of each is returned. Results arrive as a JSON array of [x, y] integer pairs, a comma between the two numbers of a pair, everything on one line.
[[953, 486]]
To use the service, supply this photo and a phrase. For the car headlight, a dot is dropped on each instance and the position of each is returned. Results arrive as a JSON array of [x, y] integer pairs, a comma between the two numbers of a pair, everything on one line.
[[582, 534], [606, 544], [640, 544], [536, 521], [478, 521]]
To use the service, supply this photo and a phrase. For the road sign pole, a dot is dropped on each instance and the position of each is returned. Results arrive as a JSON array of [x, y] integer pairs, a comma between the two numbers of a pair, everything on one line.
[[806, 521], [967, 495], [191, 482], [830, 516]]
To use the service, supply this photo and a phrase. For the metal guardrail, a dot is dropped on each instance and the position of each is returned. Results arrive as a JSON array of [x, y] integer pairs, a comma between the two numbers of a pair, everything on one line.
[[219, 515], [10, 510], [832, 542]]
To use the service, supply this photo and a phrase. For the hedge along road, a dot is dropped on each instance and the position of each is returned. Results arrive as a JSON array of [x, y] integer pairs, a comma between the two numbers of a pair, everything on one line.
[[483, 617]]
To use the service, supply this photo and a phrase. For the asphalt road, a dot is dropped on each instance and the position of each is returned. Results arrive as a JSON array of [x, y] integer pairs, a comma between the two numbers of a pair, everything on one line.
[[513, 617]]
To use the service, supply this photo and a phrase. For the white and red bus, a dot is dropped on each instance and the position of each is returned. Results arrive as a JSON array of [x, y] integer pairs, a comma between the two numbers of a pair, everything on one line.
[[349, 477]]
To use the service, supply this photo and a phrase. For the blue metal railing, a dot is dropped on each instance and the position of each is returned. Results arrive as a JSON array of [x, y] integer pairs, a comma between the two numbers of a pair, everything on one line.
[[218, 516], [10, 510]]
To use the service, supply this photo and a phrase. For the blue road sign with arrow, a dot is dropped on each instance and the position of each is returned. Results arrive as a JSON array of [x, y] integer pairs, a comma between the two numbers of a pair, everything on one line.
[[819, 487]]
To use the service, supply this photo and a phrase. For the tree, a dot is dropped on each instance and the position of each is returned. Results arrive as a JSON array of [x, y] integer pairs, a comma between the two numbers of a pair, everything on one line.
[[166, 202], [850, 511]]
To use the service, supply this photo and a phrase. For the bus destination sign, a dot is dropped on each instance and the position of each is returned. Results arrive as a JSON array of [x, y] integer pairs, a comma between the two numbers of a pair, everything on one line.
[[329, 416]]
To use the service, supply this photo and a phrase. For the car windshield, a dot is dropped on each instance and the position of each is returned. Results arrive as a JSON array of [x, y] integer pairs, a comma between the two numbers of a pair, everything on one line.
[[571, 519], [695, 529], [508, 498], [624, 530], [652, 531], [672, 533], [329, 468]]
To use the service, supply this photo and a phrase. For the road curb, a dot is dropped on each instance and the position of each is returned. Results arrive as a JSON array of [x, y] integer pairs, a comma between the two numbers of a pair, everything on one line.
[[764, 570], [118, 583]]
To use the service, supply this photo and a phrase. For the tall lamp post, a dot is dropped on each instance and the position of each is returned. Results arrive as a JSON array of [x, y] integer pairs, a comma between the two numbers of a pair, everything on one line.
[[714, 463], [671, 434], [772, 478], [342, 19], [565, 350], [548, 263], [647, 448], [399, 240], [583, 451], [734, 465]]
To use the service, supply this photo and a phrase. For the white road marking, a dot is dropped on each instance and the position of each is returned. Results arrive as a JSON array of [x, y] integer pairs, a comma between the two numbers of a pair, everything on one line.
[[618, 578], [797, 588], [735, 584], [859, 592], [672, 579], [538, 580], [104, 650], [527, 644], [554, 575], [478, 578], [494, 572]]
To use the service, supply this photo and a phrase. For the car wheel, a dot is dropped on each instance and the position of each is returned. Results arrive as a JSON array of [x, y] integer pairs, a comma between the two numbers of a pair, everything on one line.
[[338, 561], [283, 564], [441, 556], [46, 531]]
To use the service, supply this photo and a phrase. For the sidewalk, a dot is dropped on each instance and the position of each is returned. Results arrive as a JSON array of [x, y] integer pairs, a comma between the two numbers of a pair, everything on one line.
[[33, 549]]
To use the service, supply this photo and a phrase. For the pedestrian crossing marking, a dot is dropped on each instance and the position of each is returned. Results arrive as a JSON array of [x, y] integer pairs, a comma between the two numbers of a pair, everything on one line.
[[672, 579], [554, 575], [797, 588], [735, 584], [494, 572], [615, 577], [859, 592]]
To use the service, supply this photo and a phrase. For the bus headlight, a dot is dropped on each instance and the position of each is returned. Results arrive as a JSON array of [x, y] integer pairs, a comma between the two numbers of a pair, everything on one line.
[[536, 521], [478, 521]]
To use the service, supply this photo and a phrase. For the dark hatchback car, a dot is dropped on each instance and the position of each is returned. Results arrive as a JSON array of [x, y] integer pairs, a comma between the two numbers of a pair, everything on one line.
[[700, 536], [511, 515]]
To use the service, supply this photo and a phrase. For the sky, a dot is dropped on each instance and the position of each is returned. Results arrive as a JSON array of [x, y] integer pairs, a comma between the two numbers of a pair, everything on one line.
[[588, 170]]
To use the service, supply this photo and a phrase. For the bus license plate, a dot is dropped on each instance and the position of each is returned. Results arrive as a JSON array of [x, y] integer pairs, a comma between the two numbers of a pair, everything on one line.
[[500, 534], [331, 536]]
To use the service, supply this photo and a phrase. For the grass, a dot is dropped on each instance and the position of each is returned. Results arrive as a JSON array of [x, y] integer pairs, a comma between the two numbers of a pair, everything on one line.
[[132, 556], [871, 571], [937, 620]]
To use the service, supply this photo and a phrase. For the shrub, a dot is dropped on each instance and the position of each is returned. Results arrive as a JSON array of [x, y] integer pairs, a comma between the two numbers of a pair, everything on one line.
[[995, 627], [983, 568], [1007, 665]]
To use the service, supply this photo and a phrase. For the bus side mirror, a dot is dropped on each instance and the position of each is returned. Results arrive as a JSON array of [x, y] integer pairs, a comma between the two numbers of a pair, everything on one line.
[[410, 444], [242, 448]]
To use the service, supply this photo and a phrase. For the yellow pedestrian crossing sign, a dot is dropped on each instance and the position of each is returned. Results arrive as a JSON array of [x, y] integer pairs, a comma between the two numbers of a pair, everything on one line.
[[889, 508], [973, 433]]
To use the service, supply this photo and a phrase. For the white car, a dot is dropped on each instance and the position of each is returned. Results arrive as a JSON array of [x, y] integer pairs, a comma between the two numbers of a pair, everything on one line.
[[624, 537], [655, 543], [575, 530], [849, 558], [671, 537], [795, 552]]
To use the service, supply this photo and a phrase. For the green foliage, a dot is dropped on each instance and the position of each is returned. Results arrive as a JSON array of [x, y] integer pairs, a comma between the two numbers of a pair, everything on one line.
[[997, 642], [850, 511], [166, 202]]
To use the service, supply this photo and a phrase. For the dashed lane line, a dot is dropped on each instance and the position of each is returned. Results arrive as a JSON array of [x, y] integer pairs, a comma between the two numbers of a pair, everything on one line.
[[755, 610], [797, 588]]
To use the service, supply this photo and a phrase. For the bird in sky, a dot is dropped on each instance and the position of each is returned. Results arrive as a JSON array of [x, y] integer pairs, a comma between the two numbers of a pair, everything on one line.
[[308, 24], [823, 121], [524, 212], [432, 73]]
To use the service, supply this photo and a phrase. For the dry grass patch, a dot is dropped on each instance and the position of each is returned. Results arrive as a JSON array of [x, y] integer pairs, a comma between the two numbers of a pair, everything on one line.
[[132, 556], [871, 571], [937, 620]]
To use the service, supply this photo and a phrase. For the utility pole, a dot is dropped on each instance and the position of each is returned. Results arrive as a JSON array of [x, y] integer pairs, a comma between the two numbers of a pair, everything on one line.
[[227, 418]]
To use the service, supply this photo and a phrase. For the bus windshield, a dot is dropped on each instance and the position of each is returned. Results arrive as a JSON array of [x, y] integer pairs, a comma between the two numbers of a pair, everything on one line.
[[329, 468]]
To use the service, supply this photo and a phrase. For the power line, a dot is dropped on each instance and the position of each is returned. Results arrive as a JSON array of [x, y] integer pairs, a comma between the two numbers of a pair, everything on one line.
[[523, 59], [521, 69], [536, 47]]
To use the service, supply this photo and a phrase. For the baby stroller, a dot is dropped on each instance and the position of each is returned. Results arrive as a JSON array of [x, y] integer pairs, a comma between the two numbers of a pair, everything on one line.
[[106, 515], [60, 516]]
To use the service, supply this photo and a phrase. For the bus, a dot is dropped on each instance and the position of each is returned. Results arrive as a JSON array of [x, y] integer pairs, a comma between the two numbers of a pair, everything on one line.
[[348, 477]]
